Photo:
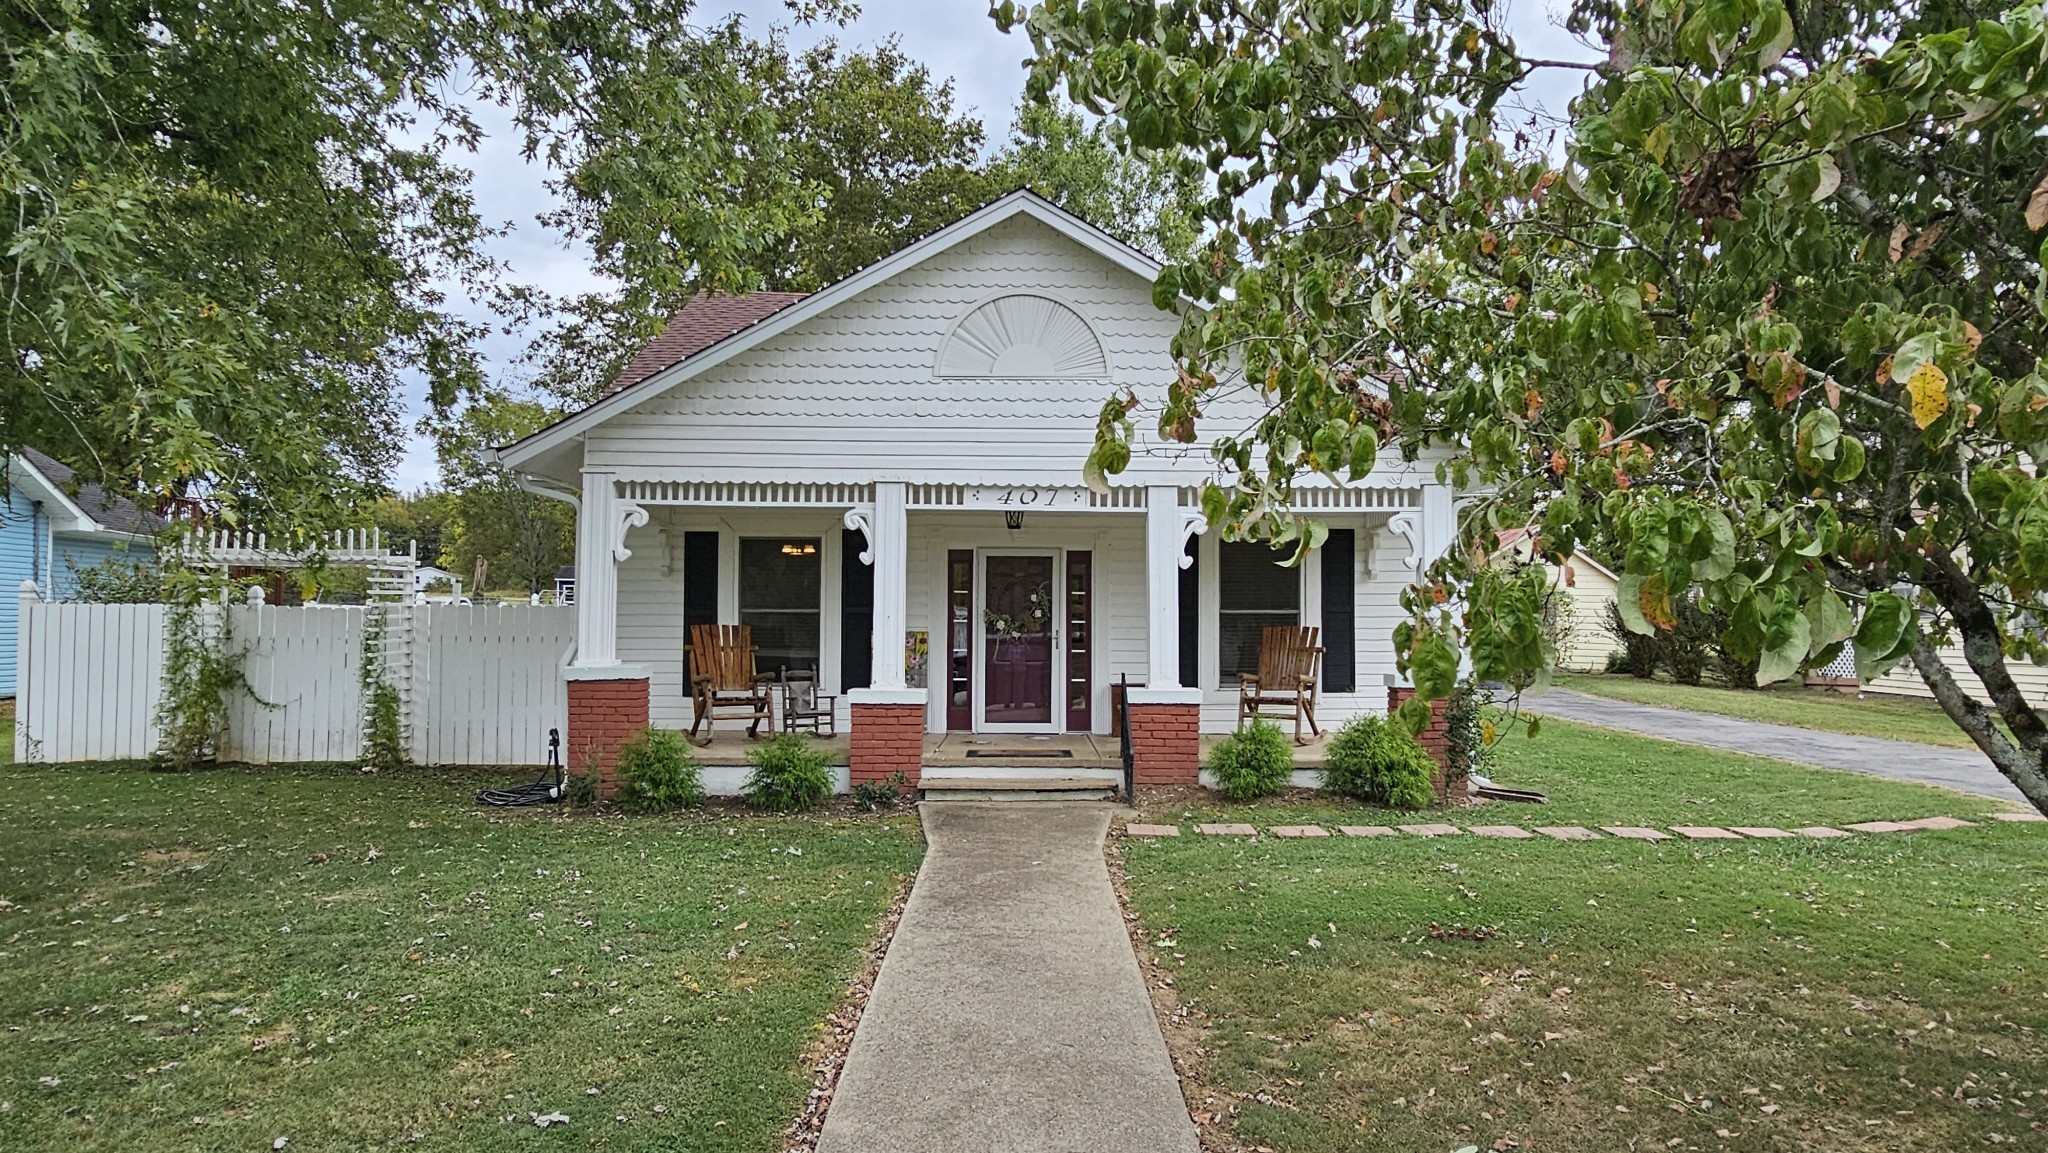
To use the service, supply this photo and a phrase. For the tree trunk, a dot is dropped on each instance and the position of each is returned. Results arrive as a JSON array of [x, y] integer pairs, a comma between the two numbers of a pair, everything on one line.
[[2024, 767]]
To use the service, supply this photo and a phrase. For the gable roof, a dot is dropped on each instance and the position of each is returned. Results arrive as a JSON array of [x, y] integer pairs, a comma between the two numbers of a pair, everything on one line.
[[92, 505], [1022, 202], [698, 325]]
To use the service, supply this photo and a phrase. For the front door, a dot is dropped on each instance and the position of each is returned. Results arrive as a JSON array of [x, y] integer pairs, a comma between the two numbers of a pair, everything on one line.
[[1020, 642]]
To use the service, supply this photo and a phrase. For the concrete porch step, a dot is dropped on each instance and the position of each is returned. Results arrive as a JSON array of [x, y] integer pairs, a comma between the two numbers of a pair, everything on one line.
[[941, 785]]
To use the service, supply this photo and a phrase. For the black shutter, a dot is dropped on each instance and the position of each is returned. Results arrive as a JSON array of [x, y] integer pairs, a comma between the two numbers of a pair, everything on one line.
[[1191, 621], [1340, 629], [856, 612], [700, 580]]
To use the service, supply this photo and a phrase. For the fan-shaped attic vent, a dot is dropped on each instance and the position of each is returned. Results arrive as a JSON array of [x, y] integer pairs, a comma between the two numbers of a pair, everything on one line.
[[1022, 336]]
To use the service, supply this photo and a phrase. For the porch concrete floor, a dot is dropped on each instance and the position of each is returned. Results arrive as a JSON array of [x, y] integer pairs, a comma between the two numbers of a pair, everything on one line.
[[994, 750]]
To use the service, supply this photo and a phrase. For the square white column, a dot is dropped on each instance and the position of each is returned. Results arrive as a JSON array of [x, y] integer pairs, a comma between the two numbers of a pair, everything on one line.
[[889, 543], [1167, 527]]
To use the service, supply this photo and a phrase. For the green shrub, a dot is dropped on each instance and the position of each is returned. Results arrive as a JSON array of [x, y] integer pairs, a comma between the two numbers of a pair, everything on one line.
[[887, 793], [1373, 760], [656, 773], [1252, 762], [790, 774], [580, 790]]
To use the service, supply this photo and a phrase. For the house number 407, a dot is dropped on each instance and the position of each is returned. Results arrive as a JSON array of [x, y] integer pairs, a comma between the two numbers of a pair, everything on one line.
[[1029, 497]]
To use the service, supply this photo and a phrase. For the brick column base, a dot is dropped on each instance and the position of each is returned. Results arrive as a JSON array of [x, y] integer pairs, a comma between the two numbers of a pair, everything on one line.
[[1166, 744], [1434, 737], [885, 740], [602, 715]]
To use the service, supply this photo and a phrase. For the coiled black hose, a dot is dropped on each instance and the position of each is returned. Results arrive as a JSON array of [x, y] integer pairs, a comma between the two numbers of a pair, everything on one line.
[[547, 789]]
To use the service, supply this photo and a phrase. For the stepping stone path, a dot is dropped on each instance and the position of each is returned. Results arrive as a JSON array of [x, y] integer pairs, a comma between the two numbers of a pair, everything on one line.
[[1937, 823], [1427, 830], [1581, 833]]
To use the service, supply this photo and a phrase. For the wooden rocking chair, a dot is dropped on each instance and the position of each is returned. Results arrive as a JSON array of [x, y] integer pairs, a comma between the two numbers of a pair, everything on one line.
[[1289, 661], [723, 682]]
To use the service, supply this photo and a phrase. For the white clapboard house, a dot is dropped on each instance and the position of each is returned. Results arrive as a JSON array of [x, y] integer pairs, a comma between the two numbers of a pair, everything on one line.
[[883, 479]]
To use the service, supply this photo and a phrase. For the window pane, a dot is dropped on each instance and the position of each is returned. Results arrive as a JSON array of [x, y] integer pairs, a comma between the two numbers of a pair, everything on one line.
[[1254, 594], [780, 586], [1251, 578], [1237, 641]]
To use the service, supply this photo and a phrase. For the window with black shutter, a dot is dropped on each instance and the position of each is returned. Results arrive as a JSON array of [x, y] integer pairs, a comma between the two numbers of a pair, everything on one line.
[[1254, 593]]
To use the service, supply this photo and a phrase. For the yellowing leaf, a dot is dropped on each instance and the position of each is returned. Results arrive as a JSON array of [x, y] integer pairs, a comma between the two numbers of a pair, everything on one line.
[[2037, 206], [1928, 386]]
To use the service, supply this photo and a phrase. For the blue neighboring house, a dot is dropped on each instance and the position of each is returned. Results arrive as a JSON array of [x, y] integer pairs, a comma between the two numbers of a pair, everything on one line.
[[51, 526]]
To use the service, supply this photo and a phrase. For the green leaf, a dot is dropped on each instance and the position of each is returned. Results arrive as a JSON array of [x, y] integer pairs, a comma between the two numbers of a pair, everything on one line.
[[1365, 451], [1829, 619], [1434, 667], [1720, 559], [1628, 599], [1885, 634], [1786, 644]]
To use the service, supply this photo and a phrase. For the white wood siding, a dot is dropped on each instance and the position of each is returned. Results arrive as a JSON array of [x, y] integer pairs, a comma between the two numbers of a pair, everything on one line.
[[1905, 681], [853, 393]]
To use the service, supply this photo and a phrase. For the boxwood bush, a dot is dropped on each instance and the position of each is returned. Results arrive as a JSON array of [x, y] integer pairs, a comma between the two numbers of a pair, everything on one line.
[[1374, 760], [657, 773], [790, 774], [1252, 762]]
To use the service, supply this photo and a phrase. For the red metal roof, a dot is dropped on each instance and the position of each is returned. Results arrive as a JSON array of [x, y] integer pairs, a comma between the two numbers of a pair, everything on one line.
[[698, 325]]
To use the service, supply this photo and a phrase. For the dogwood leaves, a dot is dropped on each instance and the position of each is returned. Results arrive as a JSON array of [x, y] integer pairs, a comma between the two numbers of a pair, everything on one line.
[[1745, 330]]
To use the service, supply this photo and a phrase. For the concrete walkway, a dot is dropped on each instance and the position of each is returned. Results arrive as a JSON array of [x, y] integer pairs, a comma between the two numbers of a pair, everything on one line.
[[1010, 1015], [1963, 769]]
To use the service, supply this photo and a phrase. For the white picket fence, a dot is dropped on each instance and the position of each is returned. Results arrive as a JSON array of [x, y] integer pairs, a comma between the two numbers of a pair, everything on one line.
[[486, 682]]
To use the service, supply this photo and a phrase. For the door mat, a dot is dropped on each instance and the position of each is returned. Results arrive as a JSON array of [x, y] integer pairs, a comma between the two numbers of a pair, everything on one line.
[[1011, 754]]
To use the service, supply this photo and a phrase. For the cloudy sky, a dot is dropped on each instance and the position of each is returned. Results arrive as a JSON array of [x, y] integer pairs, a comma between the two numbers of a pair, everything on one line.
[[954, 38]]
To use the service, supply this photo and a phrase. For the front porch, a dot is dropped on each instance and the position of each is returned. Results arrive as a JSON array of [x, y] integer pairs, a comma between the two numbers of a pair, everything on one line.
[[1049, 753]]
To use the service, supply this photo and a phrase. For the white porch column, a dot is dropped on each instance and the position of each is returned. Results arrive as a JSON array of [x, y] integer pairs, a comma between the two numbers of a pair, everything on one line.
[[601, 526], [889, 549], [1167, 529], [1439, 523]]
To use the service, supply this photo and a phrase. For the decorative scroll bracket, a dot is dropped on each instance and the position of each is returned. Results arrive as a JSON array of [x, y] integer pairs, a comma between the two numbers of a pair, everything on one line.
[[1408, 523], [1192, 525], [629, 517], [861, 519]]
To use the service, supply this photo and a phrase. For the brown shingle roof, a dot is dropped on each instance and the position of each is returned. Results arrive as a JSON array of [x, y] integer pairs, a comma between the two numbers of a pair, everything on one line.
[[698, 325]]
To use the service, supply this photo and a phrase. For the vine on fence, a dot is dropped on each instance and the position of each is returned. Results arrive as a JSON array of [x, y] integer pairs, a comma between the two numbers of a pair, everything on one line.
[[202, 668], [384, 729]]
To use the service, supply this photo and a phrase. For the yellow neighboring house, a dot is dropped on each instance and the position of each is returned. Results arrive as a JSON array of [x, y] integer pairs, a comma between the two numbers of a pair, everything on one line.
[[1586, 587]]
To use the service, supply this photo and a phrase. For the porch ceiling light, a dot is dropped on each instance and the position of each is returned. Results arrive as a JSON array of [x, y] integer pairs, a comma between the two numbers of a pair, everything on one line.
[[1014, 518]]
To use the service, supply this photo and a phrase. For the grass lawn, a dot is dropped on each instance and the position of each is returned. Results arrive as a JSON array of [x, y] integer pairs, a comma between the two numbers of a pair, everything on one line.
[[1399, 994], [1872, 715], [216, 960]]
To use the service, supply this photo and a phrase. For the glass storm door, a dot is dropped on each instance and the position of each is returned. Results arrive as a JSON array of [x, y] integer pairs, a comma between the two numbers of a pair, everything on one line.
[[1020, 627]]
